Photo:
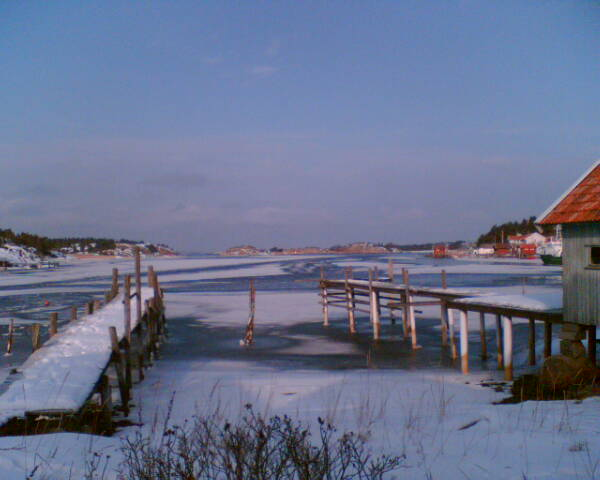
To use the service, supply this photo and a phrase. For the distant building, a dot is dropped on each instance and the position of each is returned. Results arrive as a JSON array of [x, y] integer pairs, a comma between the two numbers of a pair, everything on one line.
[[484, 250], [440, 251], [578, 211], [529, 239]]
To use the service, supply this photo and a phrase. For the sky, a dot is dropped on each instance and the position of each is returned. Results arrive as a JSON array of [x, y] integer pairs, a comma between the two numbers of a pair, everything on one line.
[[206, 125]]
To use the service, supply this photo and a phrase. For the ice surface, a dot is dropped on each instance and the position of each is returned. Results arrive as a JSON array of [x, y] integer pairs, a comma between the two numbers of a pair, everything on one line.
[[418, 413]]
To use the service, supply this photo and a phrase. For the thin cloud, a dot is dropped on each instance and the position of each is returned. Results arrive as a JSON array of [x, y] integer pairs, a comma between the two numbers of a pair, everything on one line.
[[263, 70]]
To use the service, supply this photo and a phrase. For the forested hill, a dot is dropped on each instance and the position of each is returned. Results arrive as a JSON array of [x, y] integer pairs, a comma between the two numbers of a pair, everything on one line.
[[525, 226], [45, 246]]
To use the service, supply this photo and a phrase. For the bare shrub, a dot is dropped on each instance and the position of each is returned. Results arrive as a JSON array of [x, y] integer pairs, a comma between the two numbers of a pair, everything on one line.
[[255, 448]]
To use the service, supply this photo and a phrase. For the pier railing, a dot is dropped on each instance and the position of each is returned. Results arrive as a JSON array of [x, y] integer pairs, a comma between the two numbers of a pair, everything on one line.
[[374, 295]]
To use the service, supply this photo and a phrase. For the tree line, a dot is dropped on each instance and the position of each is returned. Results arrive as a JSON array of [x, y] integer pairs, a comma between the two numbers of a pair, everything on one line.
[[45, 245], [524, 227]]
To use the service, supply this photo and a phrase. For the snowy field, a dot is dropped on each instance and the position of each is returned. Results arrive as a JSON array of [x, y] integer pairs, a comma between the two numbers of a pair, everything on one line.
[[415, 404]]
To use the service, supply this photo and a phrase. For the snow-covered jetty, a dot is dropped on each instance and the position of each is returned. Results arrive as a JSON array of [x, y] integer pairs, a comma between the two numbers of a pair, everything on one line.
[[66, 383], [375, 294]]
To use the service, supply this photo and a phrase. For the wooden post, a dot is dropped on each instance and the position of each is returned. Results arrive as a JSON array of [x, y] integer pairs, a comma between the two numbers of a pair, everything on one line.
[[138, 285], [444, 322], [156, 288], [97, 305], [150, 276], [127, 355], [53, 323], [73, 313], [547, 339], [464, 341], [119, 368], [105, 395], [324, 304], [499, 342], [127, 307], [508, 347], [90, 307], [531, 341], [592, 344], [391, 279], [374, 308], [444, 280], [9, 342], [350, 303], [249, 337], [410, 309], [114, 290], [482, 335], [453, 349], [325, 307], [36, 340], [405, 307]]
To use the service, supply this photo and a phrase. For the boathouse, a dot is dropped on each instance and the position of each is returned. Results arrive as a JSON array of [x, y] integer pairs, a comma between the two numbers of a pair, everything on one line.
[[578, 211]]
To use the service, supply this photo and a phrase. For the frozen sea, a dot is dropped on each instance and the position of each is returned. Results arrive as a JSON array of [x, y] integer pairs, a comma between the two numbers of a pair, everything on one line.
[[29, 296], [416, 404]]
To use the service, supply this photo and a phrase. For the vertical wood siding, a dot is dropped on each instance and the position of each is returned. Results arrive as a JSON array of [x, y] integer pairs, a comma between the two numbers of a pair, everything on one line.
[[581, 297]]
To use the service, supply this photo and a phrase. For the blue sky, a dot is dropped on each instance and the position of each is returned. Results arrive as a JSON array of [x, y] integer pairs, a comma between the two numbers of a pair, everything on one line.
[[211, 124]]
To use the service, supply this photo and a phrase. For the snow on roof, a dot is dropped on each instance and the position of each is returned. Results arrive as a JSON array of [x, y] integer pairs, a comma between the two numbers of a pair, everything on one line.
[[539, 302], [62, 374], [580, 203]]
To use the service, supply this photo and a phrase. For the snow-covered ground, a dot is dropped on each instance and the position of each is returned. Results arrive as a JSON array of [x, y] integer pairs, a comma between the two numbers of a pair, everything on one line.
[[443, 422]]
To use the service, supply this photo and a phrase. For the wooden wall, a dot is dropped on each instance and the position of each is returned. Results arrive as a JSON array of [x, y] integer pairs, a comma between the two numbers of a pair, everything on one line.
[[581, 282]]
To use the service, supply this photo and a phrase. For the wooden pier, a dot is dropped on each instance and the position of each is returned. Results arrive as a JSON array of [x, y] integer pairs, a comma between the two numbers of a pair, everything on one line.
[[67, 383], [373, 295]]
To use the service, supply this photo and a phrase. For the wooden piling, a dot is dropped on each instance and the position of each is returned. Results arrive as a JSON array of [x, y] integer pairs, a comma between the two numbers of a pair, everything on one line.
[[444, 322], [410, 310], [531, 341], [9, 341], [391, 279], [350, 302], [405, 307], [105, 395], [119, 369], [508, 347], [249, 337], [90, 307], [444, 280], [591, 337], [73, 313], [547, 339], [53, 323], [464, 341], [36, 338], [127, 361], [127, 307], [453, 350], [499, 343], [97, 305], [374, 308], [114, 290], [138, 284], [482, 335]]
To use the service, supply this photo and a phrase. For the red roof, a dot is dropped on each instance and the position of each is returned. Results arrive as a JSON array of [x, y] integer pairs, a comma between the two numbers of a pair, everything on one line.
[[580, 204]]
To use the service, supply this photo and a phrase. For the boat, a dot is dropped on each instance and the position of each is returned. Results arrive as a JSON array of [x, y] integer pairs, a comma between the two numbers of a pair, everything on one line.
[[551, 252]]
